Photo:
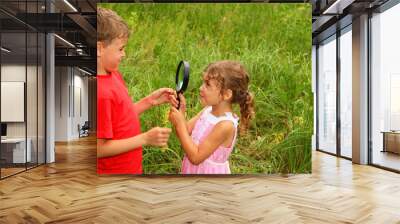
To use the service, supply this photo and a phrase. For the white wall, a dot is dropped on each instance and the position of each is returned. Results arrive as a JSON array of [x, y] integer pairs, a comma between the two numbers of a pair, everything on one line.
[[69, 85], [61, 103], [33, 127], [79, 117], [14, 73]]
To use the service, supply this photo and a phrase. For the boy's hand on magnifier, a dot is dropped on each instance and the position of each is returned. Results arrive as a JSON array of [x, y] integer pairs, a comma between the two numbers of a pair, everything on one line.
[[157, 136], [163, 95]]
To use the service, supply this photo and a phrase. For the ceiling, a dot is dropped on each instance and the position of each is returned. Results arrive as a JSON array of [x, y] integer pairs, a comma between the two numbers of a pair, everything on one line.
[[330, 15], [75, 21], [72, 20]]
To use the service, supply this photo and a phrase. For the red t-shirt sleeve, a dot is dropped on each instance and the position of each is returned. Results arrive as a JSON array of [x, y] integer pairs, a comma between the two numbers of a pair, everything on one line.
[[104, 119]]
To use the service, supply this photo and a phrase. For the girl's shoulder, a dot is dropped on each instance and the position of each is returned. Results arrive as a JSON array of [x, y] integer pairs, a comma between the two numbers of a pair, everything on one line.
[[228, 116]]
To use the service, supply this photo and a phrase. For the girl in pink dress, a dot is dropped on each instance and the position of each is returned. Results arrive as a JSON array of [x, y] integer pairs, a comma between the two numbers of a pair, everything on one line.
[[209, 137]]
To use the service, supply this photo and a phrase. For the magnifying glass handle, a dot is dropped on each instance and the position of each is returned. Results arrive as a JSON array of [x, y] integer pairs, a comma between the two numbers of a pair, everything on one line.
[[179, 101]]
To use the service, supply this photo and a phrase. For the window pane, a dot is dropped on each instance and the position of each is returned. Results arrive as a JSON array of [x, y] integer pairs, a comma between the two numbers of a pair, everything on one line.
[[386, 89], [327, 96], [14, 153], [346, 94]]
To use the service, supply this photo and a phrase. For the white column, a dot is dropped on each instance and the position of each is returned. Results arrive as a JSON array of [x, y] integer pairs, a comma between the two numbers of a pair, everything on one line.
[[50, 110], [360, 90], [50, 93]]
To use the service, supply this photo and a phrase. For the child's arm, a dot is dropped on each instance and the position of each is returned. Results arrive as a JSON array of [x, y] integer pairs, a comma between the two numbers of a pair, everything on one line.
[[155, 136], [221, 132], [160, 96], [189, 124]]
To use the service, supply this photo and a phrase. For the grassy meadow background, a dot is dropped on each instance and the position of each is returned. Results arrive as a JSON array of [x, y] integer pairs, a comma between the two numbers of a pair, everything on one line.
[[273, 41]]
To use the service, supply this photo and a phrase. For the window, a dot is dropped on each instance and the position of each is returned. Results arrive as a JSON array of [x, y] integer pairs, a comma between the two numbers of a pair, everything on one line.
[[327, 95], [385, 89], [22, 76], [346, 92]]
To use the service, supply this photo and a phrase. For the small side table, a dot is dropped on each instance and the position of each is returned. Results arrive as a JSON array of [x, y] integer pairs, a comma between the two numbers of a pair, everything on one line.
[[391, 141]]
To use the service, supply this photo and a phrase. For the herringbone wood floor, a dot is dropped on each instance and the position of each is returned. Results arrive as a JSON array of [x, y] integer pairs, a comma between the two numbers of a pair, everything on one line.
[[69, 191]]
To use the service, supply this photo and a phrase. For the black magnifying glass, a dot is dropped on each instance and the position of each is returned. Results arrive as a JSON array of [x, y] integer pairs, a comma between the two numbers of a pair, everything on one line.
[[182, 79]]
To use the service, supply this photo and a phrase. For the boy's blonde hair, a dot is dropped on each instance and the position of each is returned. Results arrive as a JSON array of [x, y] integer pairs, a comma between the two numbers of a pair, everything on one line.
[[110, 26]]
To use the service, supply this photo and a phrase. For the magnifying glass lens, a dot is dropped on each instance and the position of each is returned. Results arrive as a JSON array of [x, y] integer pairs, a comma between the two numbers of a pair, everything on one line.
[[180, 78], [179, 87]]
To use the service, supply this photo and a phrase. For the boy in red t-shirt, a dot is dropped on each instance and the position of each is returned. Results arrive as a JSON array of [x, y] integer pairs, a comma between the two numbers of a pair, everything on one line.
[[119, 139]]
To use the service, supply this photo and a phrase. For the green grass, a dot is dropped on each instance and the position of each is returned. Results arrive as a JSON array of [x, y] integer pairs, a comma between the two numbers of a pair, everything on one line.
[[273, 41]]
